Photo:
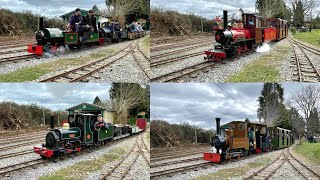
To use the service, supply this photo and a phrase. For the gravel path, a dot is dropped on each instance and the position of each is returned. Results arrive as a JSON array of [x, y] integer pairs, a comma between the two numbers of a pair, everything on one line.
[[50, 168], [209, 170]]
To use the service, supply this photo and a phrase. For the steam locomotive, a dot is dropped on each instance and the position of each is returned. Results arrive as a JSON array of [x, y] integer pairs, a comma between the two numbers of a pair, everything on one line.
[[237, 138], [245, 35]]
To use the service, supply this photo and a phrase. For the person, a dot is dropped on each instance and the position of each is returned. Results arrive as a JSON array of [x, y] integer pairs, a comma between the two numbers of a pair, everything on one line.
[[117, 28], [251, 131], [90, 24], [251, 22], [131, 27], [75, 21], [100, 123], [140, 27]]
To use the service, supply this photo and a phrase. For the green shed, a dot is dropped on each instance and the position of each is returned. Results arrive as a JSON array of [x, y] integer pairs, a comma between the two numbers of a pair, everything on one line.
[[108, 114]]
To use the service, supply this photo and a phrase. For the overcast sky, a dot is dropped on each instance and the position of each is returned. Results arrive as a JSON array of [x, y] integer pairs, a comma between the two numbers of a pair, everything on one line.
[[207, 8], [199, 104], [50, 8], [55, 96]]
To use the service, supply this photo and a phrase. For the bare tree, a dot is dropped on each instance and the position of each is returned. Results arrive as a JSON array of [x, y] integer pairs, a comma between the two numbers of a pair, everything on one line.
[[125, 97], [306, 100], [307, 6], [119, 9]]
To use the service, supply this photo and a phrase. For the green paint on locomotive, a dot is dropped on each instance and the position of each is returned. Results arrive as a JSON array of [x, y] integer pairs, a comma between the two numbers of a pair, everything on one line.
[[93, 38], [70, 133], [53, 33], [105, 133], [88, 134], [71, 38]]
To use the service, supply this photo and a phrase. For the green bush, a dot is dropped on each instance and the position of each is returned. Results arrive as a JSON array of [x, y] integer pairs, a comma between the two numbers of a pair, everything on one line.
[[293, 30]]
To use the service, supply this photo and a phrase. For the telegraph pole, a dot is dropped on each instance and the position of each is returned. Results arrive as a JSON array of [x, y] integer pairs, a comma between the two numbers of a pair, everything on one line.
[[44, 118], [195, 134]]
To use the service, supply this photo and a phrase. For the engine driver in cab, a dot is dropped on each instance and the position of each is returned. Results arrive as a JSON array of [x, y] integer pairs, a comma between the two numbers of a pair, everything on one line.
[[100, 123], [75, 21]]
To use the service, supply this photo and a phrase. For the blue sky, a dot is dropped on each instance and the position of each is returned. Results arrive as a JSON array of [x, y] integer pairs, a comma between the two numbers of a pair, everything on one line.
[[55, 96], [50, 8], [199, 104]]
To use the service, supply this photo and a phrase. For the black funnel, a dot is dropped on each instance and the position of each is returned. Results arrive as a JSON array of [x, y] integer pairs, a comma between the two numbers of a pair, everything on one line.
[[218, 126], [225, 19], [52, 122]]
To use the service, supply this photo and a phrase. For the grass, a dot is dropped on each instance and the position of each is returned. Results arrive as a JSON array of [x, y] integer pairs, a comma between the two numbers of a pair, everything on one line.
[[309, 150], [230, 173], [81, 169], [35, 72], [264, 69], [146, 43], [312, 37]]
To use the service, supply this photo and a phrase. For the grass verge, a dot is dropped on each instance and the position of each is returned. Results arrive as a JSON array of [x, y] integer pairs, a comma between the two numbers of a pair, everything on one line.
[[312, 37], [230, 173], [81, 169], [264, 69], [35, 72], [309, 150], [146, 43]]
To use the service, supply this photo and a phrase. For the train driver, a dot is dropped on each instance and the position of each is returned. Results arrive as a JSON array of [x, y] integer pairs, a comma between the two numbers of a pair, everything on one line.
[[100, 123], [251, 21], [251, 136], [75, 21], [90, 24]]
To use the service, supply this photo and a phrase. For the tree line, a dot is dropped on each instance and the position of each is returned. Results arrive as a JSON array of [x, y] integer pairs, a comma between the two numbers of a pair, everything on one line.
[[14, 116], [23, 23], [285, 9], [173, 23], [300, 113], [163, 134]]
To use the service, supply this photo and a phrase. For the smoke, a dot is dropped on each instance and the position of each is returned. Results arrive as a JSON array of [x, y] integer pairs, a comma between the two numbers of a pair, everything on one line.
[[265, 47]]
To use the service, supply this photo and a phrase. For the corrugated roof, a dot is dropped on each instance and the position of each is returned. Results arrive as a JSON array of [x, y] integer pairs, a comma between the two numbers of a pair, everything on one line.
[[88, 104]]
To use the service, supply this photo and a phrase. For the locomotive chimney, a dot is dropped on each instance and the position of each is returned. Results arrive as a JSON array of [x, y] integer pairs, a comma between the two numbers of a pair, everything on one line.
[[218, 126], [52, 121], [41, 25], [225, 19]]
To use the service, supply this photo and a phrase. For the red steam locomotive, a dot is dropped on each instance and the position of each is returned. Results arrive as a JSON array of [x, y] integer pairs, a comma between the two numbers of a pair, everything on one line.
[[244, 35]]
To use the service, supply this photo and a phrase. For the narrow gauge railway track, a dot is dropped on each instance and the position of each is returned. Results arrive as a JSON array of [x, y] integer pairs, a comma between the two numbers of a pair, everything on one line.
[[15, 42], [13, 46], [177, 45], [306, 70], [21, 144], [268, 170], [81, 73], [20, 140], [143, 152], [175, 75], [145, 145], [17, 58], [179, 169], [176, 162], [3, 156], [156, 155], [158, 56], [22, 165], [175, 156], [311, 49], [167, 61], [138, 62], [145, 56], [304, 170], [12, 51], [22, 136], [121, 169]]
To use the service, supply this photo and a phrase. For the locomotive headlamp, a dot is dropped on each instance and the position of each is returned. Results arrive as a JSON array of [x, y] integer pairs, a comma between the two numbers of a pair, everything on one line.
[[106, 131], [213, 149], [220, 151]]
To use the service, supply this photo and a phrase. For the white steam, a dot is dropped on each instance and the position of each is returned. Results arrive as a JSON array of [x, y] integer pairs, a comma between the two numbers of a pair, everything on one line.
[[238, 15], [265, 47]]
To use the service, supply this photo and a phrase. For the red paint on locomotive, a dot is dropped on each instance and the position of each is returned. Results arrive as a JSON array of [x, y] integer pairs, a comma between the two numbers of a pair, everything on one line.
[[212, 157], [35, 49]]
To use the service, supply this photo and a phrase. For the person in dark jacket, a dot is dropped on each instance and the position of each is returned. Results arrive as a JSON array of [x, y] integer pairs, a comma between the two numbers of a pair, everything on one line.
[[75, 21], [90, 24], [100, 123]]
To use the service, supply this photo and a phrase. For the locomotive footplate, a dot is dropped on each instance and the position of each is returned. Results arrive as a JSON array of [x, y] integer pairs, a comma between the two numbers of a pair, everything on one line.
[[50, 153], [215, 55]]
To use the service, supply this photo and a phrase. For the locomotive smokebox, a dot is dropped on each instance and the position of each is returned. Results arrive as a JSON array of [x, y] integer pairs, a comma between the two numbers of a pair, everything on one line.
[[52, 121], [41, 25], [225, 19], [218, 126]]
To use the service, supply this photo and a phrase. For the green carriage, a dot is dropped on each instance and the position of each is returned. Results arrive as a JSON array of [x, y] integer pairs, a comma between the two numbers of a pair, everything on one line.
[[280, 138]]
